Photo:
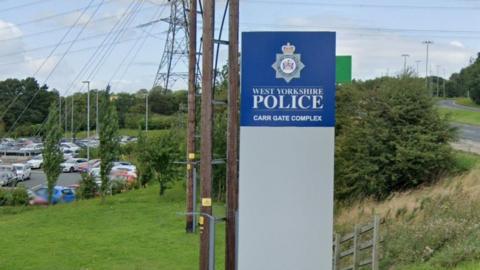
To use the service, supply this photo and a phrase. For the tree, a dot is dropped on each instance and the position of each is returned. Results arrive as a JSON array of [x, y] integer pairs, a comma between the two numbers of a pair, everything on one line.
[[109, 144], [144, 166], [17, 94], [467, 81], [52, 155], [164, 150], [391, 138]]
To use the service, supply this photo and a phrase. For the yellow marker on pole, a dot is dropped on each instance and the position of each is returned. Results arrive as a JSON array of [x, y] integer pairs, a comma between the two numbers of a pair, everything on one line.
[[206, 201]]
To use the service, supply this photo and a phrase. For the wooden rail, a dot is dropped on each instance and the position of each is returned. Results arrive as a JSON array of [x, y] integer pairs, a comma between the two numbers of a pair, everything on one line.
[[349, 249]]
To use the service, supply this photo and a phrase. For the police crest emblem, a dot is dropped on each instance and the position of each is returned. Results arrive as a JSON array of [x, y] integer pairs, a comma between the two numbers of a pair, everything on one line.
[[288, 64]]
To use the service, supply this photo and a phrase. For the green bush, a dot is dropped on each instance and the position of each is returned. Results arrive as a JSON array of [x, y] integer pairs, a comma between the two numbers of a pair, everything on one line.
[[390, 138], [20, 196], [155, 121], [5, 197], [14, 197], [118, 186], [88, 188]]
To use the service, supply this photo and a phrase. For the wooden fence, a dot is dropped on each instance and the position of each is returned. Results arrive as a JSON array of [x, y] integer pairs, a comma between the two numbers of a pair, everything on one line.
[[358, 249]]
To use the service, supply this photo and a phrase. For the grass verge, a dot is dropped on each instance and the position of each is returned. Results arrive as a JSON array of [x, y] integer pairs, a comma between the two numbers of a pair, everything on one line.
[[135, 230], [461, 116], [433, 227], [467, 102]]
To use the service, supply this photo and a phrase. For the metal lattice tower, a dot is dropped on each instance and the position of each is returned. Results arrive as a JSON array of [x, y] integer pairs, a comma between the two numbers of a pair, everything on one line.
[[176, 46]]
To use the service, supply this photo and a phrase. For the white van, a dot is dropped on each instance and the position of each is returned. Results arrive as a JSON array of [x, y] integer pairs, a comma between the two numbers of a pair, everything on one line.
[[23, 171]]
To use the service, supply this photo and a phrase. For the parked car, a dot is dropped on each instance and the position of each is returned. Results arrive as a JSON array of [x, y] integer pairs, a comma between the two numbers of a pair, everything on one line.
[[7, 178], [60, 194], [23, 171], [84, 167], [72, 165], [8, 168], [35, 199], [123, 173], [124, 164], [32, 147], [70, 146], [68, 154], [36, 162]]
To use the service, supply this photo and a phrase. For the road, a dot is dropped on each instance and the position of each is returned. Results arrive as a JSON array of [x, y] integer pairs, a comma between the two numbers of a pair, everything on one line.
[[468, 132], [451, 104], [38, 178]]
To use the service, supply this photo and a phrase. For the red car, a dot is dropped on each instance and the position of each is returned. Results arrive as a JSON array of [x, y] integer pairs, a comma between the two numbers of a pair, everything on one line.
[[84, 167]]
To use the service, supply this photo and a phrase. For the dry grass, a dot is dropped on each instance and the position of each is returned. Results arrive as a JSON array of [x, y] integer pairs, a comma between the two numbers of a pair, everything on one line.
[[409, 202]]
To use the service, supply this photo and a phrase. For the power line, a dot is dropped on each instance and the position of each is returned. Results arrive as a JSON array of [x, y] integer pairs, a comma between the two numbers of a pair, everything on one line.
[[53, 45], [48, 17], [119, 34], [57, 64], [80, 50], [24, 5], [373, 29], [48, 57], [94, 56], [355, 5], [60, 28], [143, 39]]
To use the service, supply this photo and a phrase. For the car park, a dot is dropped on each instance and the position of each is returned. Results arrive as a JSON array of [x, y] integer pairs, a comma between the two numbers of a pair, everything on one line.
[[7, 178], [36, 162], [72, 165], [32, 147], [8, 168], [60, 194], [85, 167], [68, 154], [124, 164], [35, 199], [70, 146], [23, 171]]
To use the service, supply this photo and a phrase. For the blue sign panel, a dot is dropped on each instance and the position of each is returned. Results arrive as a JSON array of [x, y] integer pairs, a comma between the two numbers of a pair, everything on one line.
[[288, 79]]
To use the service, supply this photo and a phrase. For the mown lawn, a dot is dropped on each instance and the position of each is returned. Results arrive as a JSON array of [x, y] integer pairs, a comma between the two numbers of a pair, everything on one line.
[[136, 230], [466, 102], [462, 116]]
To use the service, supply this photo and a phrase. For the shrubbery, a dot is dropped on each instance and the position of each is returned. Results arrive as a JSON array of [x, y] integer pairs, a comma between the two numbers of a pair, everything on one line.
[[467, 81], [155, 121], [14, 197], [390, 137], [88, 188]]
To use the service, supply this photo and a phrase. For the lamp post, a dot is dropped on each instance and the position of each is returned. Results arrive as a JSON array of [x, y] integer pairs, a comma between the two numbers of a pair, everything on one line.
[[97, 127], [427, 43], [88, 117], [405, 56], [418, 67]]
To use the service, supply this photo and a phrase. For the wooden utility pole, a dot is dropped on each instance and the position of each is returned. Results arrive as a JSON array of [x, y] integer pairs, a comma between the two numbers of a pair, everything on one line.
[[232, 137], [192, 91], [206, 130]]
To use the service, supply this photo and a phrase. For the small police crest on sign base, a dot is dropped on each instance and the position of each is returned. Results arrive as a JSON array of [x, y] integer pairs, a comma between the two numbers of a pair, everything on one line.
[[288, 64]]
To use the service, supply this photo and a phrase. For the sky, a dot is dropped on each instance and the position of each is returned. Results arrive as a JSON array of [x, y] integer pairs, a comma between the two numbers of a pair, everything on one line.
[[64, 42]]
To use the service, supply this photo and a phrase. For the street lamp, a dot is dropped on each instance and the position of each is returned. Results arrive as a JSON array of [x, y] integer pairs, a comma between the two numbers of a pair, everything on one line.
[[97, 127], [428, 43], [405, 56], [146, 112], [88, 117], [418, 68]]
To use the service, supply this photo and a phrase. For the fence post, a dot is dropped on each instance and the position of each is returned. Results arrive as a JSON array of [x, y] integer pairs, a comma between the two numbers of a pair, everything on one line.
[[375, 242], [356, 239], [336, 257]]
